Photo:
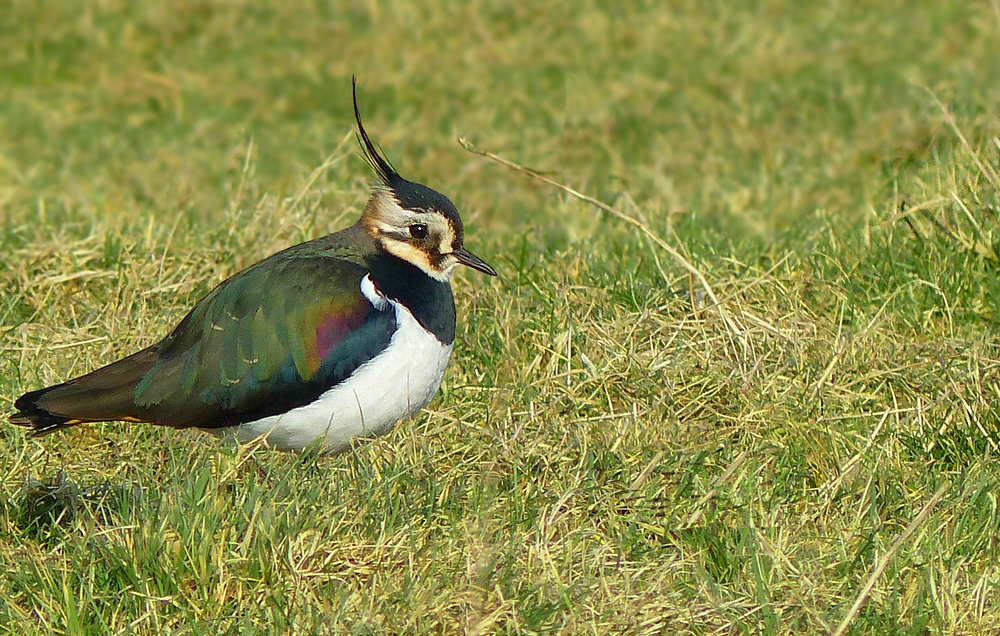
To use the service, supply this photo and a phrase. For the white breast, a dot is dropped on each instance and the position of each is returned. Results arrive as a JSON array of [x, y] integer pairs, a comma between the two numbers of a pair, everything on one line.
[[392, 386]]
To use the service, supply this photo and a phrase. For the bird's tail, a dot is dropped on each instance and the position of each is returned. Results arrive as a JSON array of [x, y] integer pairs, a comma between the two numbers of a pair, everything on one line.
[[102, 395]]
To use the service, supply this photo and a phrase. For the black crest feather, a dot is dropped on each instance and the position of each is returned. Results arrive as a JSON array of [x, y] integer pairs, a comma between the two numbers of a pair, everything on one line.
[[383, 169]]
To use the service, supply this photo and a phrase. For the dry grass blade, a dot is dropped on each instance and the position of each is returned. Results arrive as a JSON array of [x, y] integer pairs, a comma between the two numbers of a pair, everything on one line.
[[888, 556], [995, 5], [331, 160], [949, 118], [699, 506], [735, 333]]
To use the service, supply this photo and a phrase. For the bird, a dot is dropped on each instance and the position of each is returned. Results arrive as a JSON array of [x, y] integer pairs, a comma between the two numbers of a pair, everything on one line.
[[319, 345]]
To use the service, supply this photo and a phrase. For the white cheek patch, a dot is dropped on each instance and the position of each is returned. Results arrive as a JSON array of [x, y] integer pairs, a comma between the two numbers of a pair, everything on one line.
[[448, 266], [448, 238]]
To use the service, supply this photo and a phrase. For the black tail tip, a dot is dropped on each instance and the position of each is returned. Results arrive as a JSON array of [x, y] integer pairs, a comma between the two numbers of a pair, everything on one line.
[[40, 421]]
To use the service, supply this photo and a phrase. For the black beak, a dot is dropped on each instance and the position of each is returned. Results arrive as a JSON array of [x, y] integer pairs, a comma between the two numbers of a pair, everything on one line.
[[465, 257]]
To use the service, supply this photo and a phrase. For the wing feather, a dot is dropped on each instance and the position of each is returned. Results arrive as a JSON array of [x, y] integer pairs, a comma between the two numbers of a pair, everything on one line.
[[263, 344], [269, 339]]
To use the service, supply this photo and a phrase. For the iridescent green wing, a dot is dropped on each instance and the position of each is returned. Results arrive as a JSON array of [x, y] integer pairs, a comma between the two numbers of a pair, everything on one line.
[[271, 338]]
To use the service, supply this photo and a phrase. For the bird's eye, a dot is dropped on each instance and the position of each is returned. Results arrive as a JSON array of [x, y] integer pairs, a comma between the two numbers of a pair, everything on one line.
[[418, 231]]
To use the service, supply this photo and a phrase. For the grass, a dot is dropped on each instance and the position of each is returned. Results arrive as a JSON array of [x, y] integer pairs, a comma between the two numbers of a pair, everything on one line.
[[607, 454]]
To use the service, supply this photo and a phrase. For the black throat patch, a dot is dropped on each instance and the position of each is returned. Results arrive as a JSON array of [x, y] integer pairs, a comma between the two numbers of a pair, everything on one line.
[[430, 301]]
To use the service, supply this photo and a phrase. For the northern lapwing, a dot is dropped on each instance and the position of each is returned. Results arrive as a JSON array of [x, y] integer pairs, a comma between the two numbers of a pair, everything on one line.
[[325, 342]]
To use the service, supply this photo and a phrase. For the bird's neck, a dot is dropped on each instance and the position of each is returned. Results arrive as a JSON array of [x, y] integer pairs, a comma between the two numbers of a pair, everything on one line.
[[430, 301]]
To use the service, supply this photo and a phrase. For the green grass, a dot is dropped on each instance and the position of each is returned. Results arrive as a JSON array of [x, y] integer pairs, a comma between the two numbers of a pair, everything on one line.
[[606, 455]]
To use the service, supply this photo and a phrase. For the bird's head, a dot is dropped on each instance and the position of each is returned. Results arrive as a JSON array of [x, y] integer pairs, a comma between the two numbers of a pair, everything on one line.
[[411, 221]]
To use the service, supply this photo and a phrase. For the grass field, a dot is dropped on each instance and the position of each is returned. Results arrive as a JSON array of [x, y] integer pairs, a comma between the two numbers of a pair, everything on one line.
[[612, 451]]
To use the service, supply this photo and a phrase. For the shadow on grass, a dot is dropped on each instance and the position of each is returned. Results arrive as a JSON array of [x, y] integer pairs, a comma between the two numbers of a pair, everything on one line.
[[46, 509]]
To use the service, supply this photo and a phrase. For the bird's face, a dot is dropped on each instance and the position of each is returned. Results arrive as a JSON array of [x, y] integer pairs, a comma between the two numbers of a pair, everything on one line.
[[411, 221], [428, 236]]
